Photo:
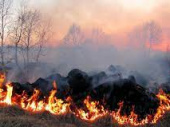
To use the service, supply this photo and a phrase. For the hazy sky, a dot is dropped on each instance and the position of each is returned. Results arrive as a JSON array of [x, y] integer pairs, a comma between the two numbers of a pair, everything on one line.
[[113, 16]]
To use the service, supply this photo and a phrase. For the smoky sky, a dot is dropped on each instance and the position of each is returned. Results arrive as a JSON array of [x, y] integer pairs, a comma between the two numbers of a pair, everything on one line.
[[116, 18], [113, 16]]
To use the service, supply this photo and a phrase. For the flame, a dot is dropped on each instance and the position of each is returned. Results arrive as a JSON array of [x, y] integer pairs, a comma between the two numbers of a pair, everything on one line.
[[94, 110], [164, 105], [56, 106], [34, 103], [91, 111], [55, 85], [8, 95], [133, 118], [2, 80]]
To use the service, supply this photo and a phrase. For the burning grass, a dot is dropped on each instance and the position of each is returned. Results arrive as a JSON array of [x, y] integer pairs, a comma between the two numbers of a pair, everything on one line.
[[92, 112], [37, 110]]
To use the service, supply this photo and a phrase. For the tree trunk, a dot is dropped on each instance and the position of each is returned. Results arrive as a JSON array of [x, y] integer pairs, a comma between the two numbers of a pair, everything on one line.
[[16, 54], [27, 60], [150, 47]]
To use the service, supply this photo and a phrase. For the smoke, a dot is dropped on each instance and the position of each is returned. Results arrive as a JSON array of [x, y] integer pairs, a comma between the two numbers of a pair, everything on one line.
[[116, 19], [90, 57], [148, 68], [95, 53]]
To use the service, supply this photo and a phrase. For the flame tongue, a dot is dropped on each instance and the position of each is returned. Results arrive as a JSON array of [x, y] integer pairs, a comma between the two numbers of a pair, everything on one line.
[[164, 105], [2, 79], [133, 118], [56, 106], [32, 103], [55, 85], [8, 97], [94, 112]]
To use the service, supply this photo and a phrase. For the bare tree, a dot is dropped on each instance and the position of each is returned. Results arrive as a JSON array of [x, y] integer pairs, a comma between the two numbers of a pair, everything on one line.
[[30, 33], [150, 33], [153, 33], [137, 37], [74, 36], [17, 31], [167, 57], [99, 36], [5, 6], [44, 32]]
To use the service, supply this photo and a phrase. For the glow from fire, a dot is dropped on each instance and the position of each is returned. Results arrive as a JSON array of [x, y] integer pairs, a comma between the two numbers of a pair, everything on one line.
[[133, 118], [8, 95], [94, 110], [2, 79], [56, 106], [32, 103], [91, 111]]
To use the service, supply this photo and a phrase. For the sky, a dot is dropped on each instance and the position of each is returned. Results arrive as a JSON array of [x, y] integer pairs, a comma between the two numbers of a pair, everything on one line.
[[114, 17]]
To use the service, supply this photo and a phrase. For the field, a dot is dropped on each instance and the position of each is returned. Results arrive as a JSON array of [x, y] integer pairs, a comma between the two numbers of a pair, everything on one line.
[[15, 117]]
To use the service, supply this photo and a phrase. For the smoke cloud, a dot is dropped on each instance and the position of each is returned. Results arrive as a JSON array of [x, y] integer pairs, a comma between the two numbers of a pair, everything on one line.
[[116, 19]]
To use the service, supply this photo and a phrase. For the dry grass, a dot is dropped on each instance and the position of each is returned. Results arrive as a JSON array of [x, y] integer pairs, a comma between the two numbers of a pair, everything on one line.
[[14, 117]]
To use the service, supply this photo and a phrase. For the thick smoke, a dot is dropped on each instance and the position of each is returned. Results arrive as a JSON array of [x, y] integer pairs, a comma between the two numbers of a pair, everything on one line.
[[98, 58], [148, 69]]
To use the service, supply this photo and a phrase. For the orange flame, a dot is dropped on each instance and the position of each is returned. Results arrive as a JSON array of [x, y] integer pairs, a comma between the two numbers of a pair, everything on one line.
[[164, 105], [95, 110], [133, 118], [8, 96], [33, 103], [2, 80], [55, 85], [56, 106]]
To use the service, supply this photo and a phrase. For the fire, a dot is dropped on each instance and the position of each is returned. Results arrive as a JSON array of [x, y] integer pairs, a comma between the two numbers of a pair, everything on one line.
[[55, 85], [56, 106], [94, 110], [34, 103], [2, 80], [164, 105], [8, 95], [133, 118], [91, 110]]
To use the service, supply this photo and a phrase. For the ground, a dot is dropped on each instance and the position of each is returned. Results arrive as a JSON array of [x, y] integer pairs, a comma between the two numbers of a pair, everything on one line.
[[15, 117]]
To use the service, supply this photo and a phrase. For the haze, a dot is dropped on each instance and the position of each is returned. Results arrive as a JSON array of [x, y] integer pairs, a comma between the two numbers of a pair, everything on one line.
[[115, 17]]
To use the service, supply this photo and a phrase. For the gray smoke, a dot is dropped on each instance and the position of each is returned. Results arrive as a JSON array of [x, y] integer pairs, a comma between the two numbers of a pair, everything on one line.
[[147, 68]]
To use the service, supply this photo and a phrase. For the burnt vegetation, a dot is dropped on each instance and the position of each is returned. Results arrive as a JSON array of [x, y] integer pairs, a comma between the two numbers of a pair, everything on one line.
[[109, 92]]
